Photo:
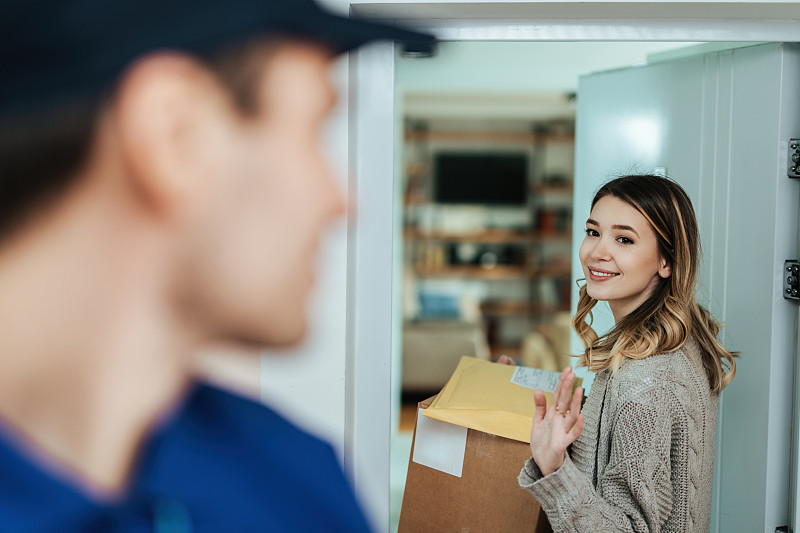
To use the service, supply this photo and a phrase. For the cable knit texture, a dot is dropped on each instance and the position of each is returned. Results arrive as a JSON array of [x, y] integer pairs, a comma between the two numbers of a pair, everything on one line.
[[645, 459]]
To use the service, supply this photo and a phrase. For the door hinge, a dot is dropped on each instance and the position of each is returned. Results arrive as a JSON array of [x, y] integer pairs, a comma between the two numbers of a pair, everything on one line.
[[791, 279]]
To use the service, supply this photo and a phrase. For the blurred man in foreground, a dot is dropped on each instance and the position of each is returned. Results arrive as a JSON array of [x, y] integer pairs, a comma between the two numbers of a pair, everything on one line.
[[161, 187]]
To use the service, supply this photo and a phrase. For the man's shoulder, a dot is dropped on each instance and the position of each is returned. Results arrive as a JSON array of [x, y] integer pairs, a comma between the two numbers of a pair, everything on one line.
[[234, 461], [231, 437], [210, 409]]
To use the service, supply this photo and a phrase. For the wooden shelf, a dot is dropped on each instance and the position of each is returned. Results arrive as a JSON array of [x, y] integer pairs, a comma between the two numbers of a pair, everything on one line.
[[522, 137], [552, 189], [557, 272], [561, 236], [487, 236], [514, 308], [500, 272]]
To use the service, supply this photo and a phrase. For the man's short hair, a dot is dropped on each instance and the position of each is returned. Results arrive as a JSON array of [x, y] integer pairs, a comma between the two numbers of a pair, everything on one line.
[[41, 155]]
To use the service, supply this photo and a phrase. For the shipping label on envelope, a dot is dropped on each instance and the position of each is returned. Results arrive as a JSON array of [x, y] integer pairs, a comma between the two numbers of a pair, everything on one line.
[[492, 398], [533, 378]]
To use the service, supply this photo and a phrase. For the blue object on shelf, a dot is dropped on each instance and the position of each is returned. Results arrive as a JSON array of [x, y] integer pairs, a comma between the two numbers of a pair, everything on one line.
[[439, 306]]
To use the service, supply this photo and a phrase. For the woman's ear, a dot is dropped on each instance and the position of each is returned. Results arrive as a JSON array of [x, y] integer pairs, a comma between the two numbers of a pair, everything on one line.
[[664, 268]]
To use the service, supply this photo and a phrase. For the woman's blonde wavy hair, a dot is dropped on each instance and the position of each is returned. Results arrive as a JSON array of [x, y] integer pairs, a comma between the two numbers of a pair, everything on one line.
[[671, 314]]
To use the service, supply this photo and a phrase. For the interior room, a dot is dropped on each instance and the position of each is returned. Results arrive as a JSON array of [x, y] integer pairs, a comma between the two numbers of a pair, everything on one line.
[[485, 166]]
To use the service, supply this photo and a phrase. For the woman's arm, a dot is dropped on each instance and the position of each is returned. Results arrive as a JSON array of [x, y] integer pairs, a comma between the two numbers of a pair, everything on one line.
[[634, 491]]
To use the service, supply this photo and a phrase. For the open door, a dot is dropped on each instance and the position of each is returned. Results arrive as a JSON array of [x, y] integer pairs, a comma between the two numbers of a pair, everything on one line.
[[719, 124]]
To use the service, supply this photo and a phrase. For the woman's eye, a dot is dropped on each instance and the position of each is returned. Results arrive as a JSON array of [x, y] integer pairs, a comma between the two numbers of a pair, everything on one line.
[[592, 233], [624, 240]]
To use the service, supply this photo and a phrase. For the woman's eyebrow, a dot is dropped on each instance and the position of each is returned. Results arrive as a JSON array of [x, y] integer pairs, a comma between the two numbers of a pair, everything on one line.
[[622, 227], [615, 226]]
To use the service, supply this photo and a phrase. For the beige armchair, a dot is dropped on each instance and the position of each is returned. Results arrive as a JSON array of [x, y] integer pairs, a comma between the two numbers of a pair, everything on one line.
[[432, 349]]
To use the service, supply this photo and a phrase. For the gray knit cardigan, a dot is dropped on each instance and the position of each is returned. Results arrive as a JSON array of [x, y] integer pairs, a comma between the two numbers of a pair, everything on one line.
[[645, 459]]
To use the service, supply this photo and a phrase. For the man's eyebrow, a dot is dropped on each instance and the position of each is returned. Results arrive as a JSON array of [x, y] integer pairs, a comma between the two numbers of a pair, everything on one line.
[[615, 226]]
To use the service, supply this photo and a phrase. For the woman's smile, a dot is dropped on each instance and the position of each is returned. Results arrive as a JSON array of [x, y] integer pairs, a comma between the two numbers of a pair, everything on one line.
[[597, 274]]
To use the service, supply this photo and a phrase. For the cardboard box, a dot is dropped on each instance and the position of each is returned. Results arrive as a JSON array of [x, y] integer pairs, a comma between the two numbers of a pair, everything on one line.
[[485, 498]]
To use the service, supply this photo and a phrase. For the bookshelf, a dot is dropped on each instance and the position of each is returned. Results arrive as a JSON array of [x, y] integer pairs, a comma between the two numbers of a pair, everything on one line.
[[516, 259]]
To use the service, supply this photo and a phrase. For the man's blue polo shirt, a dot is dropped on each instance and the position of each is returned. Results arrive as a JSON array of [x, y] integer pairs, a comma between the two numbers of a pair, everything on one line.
[[219, 464]]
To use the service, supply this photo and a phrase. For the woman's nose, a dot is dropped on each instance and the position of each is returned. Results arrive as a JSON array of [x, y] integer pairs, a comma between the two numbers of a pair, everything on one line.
[[600, 250]]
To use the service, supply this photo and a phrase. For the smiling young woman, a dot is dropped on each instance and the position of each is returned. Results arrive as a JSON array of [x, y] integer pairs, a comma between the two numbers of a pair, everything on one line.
[[651, 289], [639, 456]]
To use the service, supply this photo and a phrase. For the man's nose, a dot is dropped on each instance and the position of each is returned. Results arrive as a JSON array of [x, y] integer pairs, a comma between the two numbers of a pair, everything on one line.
[[335, 205], [338, 206]]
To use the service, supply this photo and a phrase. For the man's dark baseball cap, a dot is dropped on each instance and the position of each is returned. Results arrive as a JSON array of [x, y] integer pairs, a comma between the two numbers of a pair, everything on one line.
[[56, 51]]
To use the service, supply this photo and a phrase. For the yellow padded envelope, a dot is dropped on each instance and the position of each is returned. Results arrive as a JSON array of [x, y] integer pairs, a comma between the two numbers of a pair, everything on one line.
[[480, 395]]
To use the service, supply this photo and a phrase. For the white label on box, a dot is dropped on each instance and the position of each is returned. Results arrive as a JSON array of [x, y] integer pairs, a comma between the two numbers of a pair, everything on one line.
[[533, 378], [440, 445]]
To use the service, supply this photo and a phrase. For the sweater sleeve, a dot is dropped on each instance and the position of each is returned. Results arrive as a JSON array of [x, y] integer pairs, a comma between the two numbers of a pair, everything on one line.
[[634, 492]]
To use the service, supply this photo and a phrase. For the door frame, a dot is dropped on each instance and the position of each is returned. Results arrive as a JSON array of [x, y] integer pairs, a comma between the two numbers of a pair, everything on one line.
[[370, 130]]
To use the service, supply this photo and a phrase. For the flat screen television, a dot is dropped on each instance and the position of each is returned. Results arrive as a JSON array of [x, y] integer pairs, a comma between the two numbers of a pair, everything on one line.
[[490, 178]]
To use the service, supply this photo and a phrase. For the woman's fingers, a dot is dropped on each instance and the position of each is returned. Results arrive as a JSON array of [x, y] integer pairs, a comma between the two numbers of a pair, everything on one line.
[[573, 411], [540, 402], [561, 398], [560, 387], [577, 429], [506, 360], [575, 406], [551, 432]]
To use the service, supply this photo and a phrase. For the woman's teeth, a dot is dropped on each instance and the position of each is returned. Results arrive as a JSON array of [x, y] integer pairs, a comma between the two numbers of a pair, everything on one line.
[[602, 274]]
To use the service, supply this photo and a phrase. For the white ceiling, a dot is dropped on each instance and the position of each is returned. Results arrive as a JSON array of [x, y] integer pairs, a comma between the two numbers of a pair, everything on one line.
[[508, 80], [384, 9]]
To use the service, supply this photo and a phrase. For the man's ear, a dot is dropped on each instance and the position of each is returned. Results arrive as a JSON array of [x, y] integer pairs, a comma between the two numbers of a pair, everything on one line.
[[165, 111], [665, 268]]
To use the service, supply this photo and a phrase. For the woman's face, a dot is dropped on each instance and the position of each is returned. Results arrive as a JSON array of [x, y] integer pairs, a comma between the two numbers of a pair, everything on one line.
[[620, 257]]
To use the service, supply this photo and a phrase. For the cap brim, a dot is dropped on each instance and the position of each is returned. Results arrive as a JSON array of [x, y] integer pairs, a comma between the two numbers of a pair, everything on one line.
[[344, 34]]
